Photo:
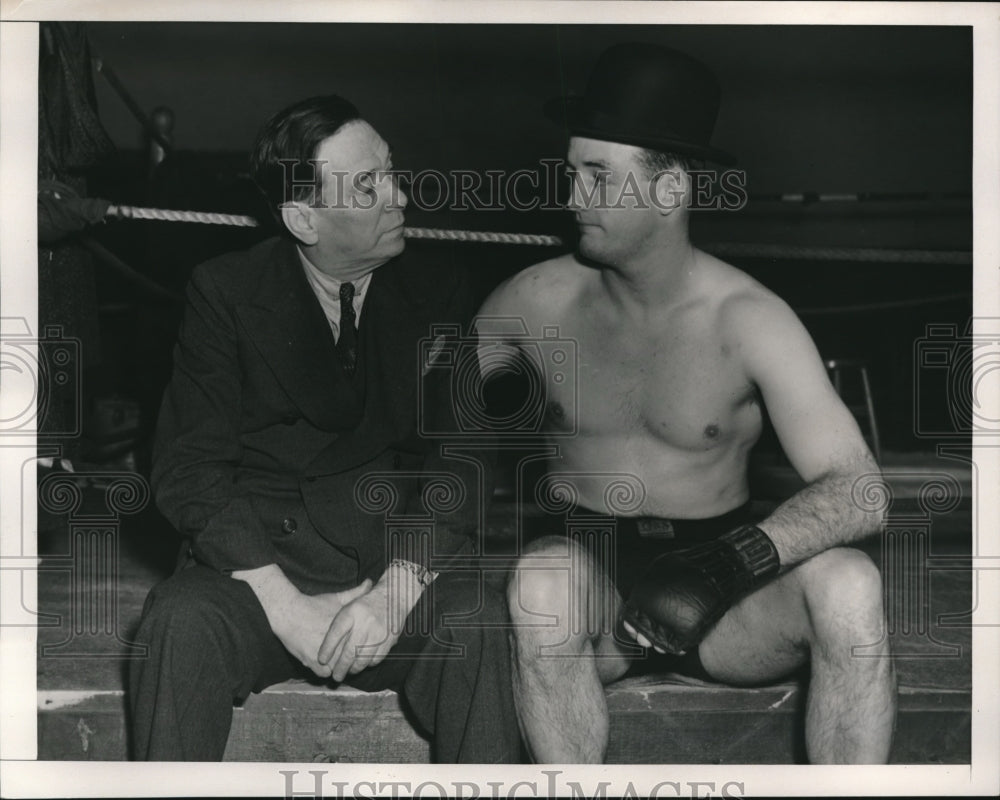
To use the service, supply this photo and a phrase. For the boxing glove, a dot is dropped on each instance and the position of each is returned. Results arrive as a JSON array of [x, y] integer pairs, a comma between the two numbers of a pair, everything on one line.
[[685, 592]]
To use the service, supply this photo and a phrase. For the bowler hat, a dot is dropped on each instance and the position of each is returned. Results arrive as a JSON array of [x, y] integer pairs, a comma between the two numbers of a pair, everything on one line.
[[649, 96]]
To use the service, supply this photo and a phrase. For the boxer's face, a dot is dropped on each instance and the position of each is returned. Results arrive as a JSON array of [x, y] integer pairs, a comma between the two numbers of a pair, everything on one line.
[[611, 200], [362, 213]]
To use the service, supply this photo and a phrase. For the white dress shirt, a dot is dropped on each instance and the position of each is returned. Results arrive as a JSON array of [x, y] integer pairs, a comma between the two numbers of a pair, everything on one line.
[[327, 291]]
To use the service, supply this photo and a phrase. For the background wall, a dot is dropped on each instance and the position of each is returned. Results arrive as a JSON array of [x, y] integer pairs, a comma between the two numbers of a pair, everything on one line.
[[807, 109], [816, 107]]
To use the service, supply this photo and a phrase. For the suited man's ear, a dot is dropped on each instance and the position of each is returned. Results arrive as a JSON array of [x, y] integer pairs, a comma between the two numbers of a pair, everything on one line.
[[298, 218]]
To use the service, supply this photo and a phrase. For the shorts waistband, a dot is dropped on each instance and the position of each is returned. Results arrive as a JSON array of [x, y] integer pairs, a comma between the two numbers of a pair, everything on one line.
[[667, 529]]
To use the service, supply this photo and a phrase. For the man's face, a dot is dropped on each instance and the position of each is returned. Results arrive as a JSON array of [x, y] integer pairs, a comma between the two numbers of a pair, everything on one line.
[[362, 214], [611, 200]]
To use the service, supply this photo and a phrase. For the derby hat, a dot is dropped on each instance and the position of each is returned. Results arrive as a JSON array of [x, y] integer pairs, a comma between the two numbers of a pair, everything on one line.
[[648, 96]]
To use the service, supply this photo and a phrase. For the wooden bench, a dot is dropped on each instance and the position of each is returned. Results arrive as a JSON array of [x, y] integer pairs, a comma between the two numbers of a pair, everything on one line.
[[656, 719], [653, 720]]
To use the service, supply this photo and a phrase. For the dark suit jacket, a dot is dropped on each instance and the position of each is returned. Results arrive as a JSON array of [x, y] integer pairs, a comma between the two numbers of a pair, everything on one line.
[[262, 438]]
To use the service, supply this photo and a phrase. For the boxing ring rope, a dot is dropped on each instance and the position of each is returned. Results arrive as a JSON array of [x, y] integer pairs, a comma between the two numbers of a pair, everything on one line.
[[722, 249], [169, 215]]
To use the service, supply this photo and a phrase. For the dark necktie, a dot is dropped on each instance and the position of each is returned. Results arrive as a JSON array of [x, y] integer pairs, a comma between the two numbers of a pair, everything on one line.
[[347, 344]]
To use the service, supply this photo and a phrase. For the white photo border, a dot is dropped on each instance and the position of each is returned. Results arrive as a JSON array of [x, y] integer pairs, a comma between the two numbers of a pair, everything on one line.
[[22, 776]]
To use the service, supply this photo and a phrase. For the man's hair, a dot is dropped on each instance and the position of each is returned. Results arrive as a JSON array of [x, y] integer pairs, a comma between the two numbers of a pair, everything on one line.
[[293, 136], [657, 161]]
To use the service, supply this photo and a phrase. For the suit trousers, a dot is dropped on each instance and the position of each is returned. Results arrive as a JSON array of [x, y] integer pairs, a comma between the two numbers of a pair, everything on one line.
[[210, 645]]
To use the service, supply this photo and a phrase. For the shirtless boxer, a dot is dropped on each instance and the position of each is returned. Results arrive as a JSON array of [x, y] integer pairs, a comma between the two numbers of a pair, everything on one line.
[[678, 353]]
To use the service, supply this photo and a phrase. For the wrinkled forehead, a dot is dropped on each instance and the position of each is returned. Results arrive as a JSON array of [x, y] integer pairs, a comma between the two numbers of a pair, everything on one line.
[[584, 151], [356, 146]]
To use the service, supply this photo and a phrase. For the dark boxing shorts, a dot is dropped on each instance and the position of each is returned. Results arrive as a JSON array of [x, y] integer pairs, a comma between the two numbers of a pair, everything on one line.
[[638, 540], [625, 546]]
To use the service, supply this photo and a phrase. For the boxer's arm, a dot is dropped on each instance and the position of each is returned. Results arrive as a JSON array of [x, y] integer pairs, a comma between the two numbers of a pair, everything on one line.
[[683, 594], [497, 324], [818, 433]]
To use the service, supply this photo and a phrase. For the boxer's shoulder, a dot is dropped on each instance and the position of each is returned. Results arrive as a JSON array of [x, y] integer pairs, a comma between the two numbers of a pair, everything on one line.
[[754, 323], [754, 310], [545, 285], [738, 299]]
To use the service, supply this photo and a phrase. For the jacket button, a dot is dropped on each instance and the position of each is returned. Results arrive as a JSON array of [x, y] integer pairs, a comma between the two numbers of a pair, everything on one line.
[[289, 525]]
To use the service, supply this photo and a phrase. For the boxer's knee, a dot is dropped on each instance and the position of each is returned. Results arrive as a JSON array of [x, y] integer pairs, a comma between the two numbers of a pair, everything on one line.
[[547, 595], [843, 594], [539, 582]]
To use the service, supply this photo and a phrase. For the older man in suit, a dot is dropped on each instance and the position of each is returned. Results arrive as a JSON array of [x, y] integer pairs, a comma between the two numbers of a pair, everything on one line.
[[292, 405]]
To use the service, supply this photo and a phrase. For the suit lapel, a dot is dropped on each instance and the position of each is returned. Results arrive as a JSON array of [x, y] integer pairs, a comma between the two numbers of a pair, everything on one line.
[[399, 317], [286, 323]]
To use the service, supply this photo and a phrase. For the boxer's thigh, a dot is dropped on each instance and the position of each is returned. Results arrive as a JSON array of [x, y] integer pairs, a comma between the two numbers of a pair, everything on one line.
[[763, 637], [827, 604]]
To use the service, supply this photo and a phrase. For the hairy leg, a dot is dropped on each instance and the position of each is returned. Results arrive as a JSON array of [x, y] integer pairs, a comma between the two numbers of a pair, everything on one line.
[[564, 609], [818, 612]]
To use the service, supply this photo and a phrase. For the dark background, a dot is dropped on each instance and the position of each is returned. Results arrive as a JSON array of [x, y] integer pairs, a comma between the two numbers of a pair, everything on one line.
[[879, 110]]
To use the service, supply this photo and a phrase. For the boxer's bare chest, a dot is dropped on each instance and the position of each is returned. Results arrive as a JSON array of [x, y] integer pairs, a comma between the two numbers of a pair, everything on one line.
[[673, 380]]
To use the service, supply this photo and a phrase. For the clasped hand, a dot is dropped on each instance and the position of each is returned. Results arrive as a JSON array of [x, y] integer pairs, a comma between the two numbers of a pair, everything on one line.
[[303, 621], [362, 633], [341, 633]]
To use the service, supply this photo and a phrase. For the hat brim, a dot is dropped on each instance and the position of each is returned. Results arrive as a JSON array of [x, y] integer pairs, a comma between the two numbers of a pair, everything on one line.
[[571, 113]]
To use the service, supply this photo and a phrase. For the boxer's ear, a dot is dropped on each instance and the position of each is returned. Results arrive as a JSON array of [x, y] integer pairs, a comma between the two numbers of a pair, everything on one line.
[[669, 189], [298, 218]]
